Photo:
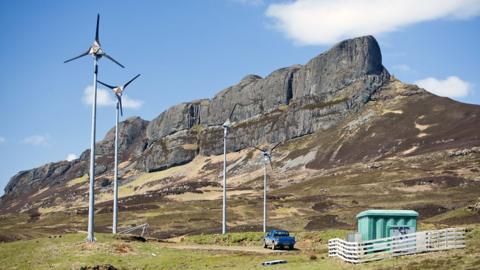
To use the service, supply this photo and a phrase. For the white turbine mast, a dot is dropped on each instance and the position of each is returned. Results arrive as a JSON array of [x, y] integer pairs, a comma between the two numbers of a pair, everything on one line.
[[96, 51], [226, 125], [267, 159], [118, 91]]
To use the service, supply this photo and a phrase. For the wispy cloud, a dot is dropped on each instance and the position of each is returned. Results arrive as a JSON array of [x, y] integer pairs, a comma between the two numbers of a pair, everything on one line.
[[131, 103], [318, 22], [37, 140], [249, 2], [71, 157], [105, 98], [2, 140], [452, 87]]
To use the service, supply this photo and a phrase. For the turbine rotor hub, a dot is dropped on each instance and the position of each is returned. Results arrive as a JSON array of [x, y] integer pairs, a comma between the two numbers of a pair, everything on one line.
[[95, 49], [118, 90]]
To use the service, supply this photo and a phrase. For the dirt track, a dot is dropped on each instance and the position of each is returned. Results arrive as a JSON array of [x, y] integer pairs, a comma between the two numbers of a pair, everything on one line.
[[247, 249]]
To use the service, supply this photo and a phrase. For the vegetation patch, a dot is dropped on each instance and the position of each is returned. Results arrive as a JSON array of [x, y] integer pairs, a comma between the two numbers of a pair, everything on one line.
[[190, 146], [241, 238], [313, 106], [76, 181]]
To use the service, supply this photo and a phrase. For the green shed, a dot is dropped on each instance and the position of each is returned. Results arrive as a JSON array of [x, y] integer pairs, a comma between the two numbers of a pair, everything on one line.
[[374, 224]]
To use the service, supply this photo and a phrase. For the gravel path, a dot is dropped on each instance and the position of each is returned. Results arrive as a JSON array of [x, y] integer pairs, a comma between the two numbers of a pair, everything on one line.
[[249, 249]]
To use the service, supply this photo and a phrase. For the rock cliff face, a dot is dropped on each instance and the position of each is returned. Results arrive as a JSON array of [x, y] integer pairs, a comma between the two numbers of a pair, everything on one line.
[[288, 103]]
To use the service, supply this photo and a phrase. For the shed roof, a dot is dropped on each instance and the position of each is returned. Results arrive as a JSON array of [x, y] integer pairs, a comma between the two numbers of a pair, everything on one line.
[[387, 213]]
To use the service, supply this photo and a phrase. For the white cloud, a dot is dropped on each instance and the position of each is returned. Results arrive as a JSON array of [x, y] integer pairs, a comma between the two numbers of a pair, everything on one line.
[[37, 140], [131, 103], [105, 98], [2, 140], [452, 87], [71, 157], [402, 67], [249, 2], [313, 22]]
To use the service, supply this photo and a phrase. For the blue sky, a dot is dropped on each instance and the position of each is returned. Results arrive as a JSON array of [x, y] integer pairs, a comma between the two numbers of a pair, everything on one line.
[[187, 50]]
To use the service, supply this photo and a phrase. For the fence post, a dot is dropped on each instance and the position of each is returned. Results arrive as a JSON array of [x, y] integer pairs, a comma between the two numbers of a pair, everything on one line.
[[446, 238]]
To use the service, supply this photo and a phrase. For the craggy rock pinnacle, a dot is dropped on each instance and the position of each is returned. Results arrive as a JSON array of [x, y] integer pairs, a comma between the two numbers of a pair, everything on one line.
[[289, 103]]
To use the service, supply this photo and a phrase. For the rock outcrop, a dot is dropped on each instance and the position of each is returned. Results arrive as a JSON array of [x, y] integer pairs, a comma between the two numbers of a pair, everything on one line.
[[131, 144], [288, 103]]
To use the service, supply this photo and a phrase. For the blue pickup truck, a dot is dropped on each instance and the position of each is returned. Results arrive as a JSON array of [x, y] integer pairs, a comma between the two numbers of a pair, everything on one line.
[[278, 238]]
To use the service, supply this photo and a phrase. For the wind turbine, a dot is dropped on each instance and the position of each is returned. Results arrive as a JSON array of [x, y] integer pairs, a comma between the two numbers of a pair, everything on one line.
[[118, 91], [226, 125], [267, 158], [96, 51]]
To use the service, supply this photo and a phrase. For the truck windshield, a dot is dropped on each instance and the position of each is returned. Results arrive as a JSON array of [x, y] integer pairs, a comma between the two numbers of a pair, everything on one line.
[[281, 233]]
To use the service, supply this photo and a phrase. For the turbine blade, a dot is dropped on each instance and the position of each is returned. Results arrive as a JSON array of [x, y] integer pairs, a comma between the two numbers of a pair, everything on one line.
[[76, 57], [97, 38], [125, 86], [261, 150], [275, 146], [231, 113], [270, 160], [113, 60], [120, 104], [106, 85]]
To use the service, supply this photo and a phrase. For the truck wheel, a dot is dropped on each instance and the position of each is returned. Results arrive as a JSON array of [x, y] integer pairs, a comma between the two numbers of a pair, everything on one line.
[[290, 247]]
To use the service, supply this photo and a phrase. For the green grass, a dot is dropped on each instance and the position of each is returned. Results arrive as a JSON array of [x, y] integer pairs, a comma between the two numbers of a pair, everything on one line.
[[333, 102], [456, 213], [71, 252], [315, 239], [231, 239]]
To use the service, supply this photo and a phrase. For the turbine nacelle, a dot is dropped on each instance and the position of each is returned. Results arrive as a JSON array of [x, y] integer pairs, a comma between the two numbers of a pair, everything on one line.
[[267, 154], [118, 91], [227, 124], [95, 50]]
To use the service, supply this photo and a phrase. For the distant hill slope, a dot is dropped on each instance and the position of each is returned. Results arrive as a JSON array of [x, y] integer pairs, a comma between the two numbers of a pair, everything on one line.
[[353, 137]]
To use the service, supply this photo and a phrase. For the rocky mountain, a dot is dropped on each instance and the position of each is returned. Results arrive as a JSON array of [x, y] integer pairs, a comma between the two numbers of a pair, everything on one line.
[[342, 109], [289, 103]]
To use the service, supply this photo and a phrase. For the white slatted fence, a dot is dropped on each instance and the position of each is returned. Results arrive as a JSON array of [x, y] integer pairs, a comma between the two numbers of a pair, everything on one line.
[[425, 241]]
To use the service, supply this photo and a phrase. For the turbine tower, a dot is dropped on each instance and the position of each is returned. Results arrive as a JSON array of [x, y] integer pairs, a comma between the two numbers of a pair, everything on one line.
[[96, 51], [118, 91], [267, 158], [226, 126]]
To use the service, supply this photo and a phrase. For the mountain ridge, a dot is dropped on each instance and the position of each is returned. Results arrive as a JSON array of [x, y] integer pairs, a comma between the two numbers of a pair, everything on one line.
[[354, 137], [361, 55]]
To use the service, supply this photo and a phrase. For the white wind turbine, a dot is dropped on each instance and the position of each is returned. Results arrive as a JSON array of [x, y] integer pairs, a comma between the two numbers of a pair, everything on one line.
[[118, 91], [226, 125], [267, 158], [96, 51]]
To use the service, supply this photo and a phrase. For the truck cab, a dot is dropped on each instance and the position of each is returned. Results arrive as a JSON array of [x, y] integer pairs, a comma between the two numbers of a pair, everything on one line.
[[277, 239]]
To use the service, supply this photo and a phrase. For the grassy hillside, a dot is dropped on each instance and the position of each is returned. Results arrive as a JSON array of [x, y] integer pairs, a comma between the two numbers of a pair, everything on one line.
[[436, 185], [401, 151], [69, 251]]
